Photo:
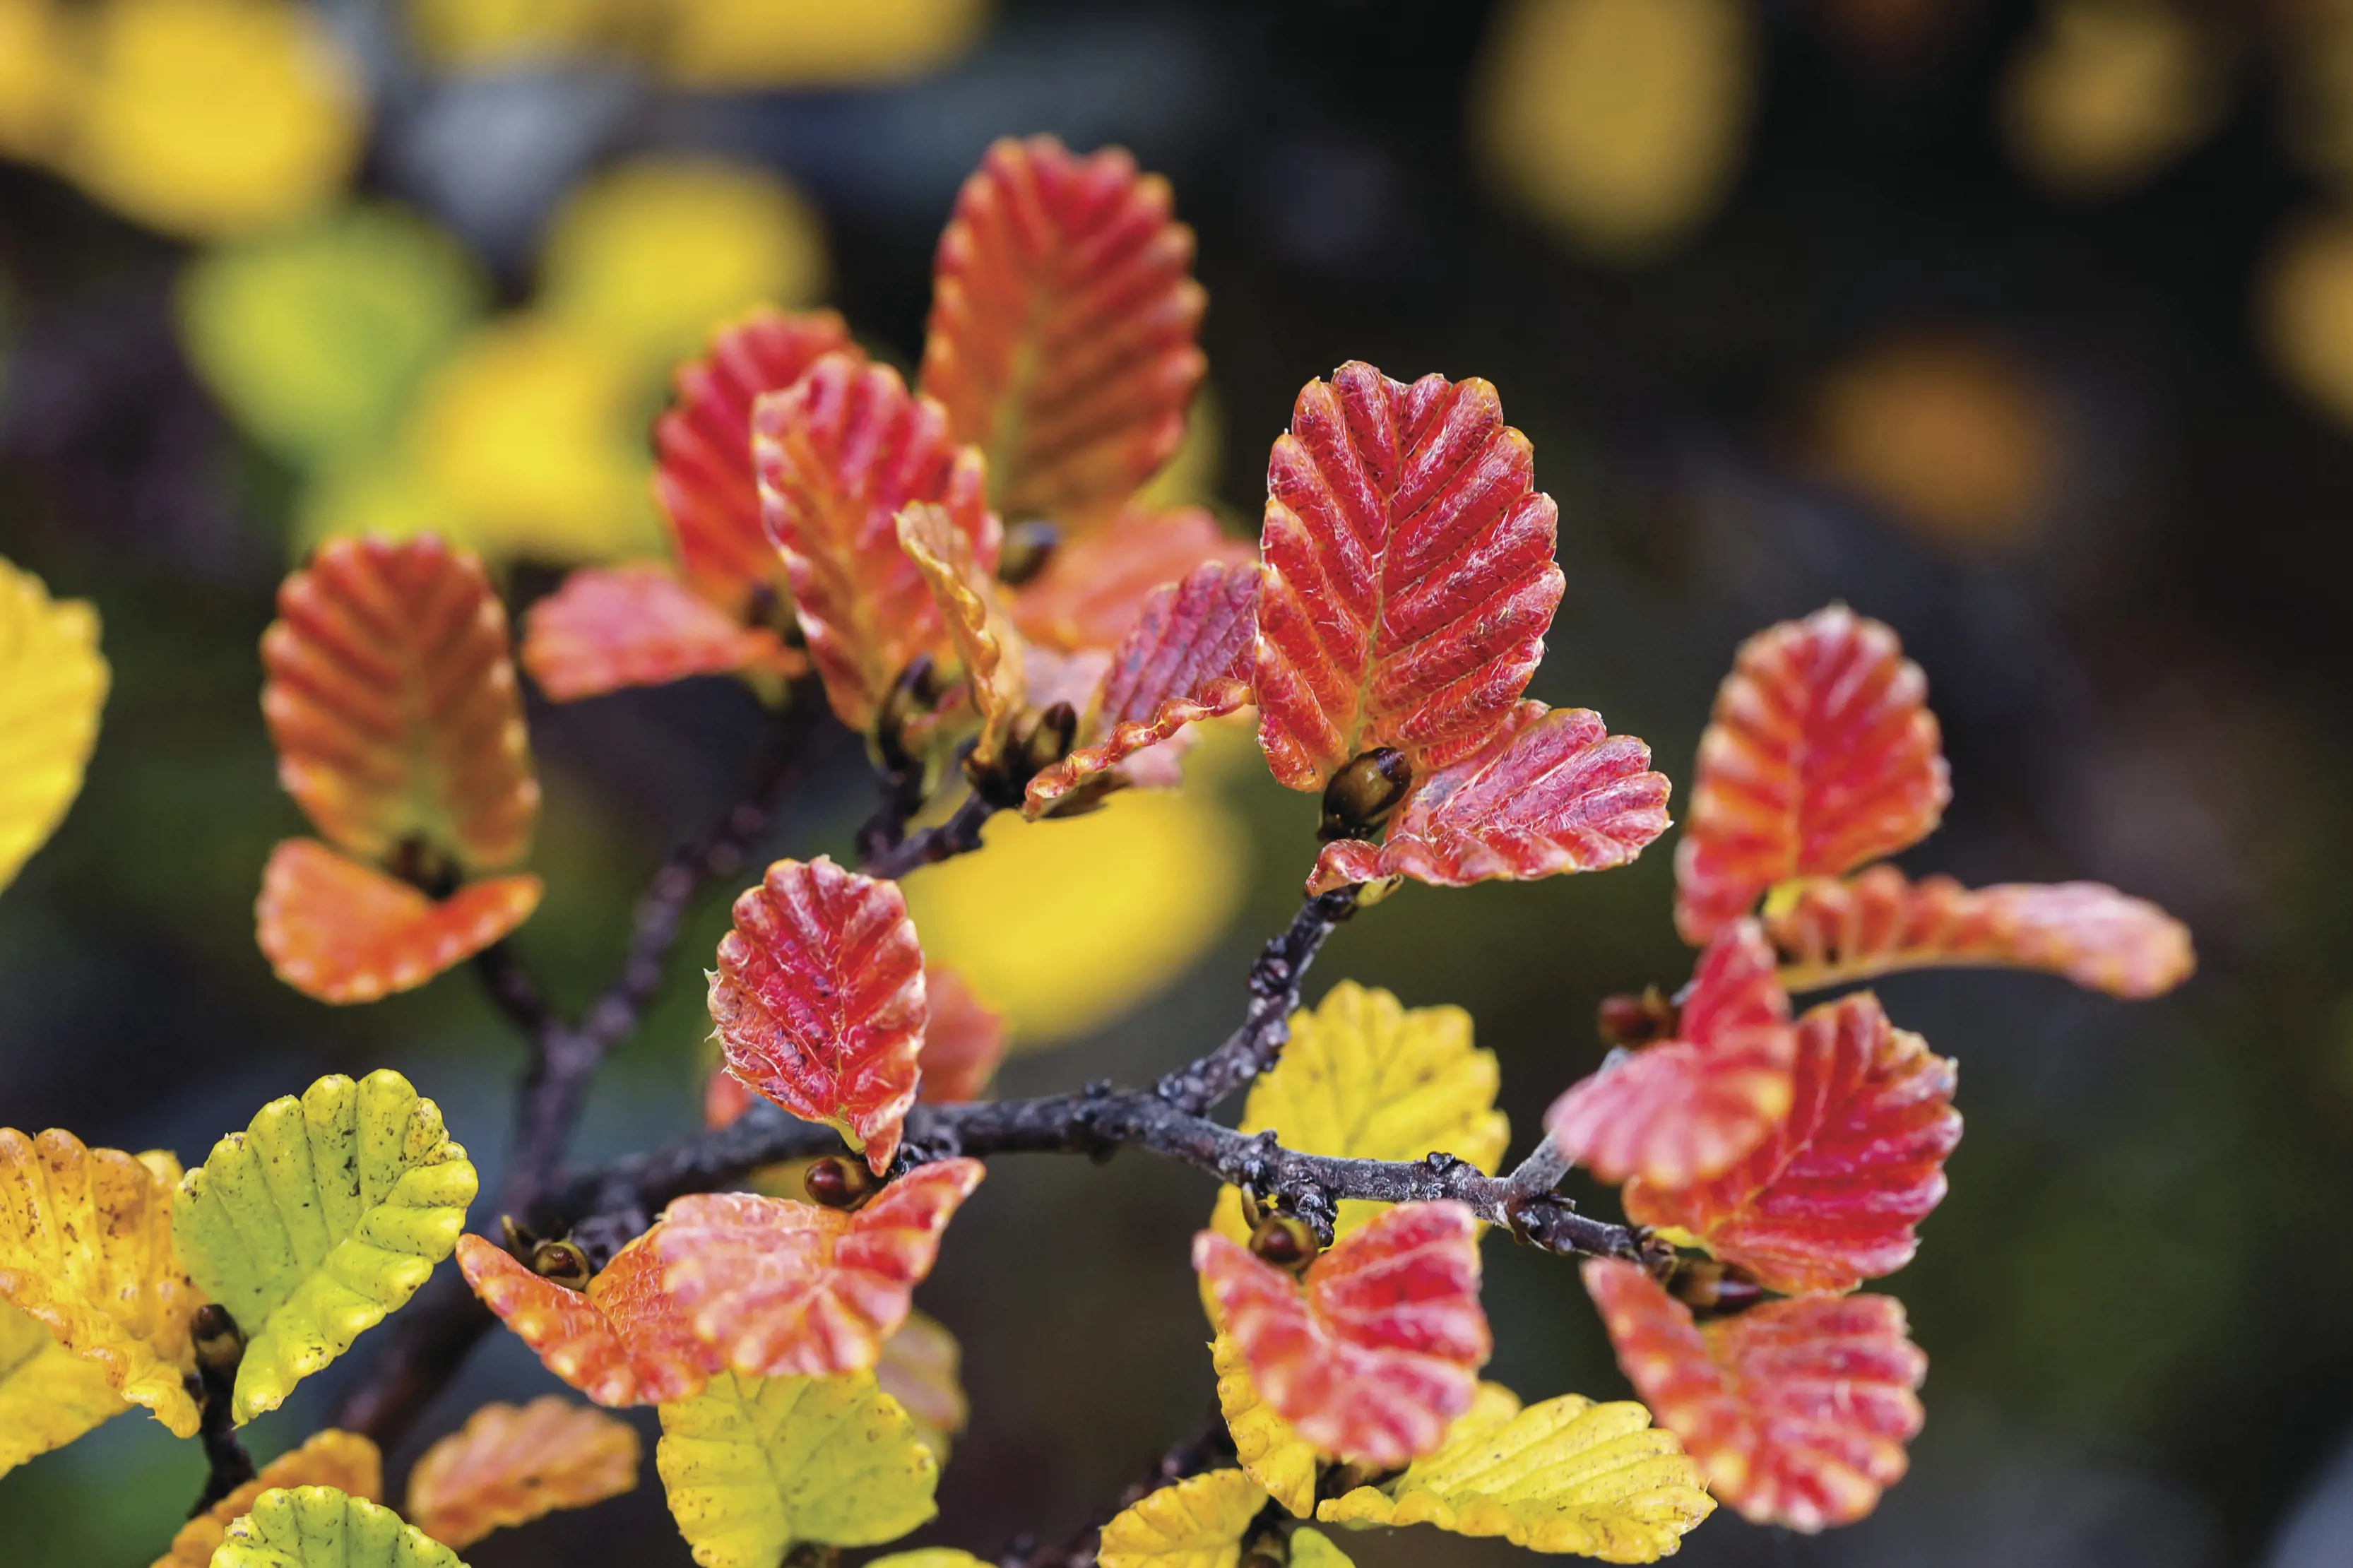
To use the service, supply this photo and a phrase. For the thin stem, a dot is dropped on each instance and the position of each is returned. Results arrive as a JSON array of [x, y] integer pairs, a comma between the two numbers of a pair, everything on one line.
[[213, 1386], [959, 834], [1274, 981]]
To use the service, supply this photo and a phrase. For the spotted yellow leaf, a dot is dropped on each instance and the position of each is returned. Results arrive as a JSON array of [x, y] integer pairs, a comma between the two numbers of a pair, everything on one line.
[[48, 1395], [1199, 1522], [343, 1461], [52, 684], [325, 1213], [319, 1527], [1272, 1451], [756, 1465]]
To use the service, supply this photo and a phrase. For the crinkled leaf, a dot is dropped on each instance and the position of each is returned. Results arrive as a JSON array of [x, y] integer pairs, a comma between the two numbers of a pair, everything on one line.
[[1095, 586], [1553, 791], [920, 1367], [1270, 1449], [702, 448], [1376, 1351], [621, 1341], [52, 684], [1685, 1109], [1830, 1197], [1062, 327], [392, 701], [322, 1215], [1197, 1522], [1798, 1411], [48, 1395], [963, 1038], [343, 1461], [319, 1527], [978, 628], [1879, 921], [1821, 755], [819, 999], [1409, 575], [1187, 658], [838, 455], [755, 1466], [511, 1463], [86, 1249], [1565, 1476], [609, 627], [338, 931]]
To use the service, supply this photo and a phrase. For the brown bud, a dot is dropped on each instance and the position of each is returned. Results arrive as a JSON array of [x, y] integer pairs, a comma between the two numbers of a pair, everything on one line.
[[1637, 1020], [838, 1184], [1029, 546], [1361, 795], [1708, 1286], [1284, 1241], [561, 1262]]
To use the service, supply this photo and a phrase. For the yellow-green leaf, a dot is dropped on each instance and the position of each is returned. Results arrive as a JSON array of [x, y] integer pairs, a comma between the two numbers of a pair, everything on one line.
[[325, 1213], [755, 1466], [48, 1395], [1313, 1549], [52, 684], [1272, 1451], [1196, 1523], [1566, 1476], [319, 1527]]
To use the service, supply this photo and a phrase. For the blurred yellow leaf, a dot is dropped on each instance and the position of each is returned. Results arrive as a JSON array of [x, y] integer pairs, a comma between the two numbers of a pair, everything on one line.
[[52, 684], [1272, 1451], [343, 1461], [1195, 1523], [48, 1395], [498, 32], [2106, 92], [2307, 309], [35, 77], [319, 1527], [1313, 1549], [509, 1464], [791, 43], [919, 1368]]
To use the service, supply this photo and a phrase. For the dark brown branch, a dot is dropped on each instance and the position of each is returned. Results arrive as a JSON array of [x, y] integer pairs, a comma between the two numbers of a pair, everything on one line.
[[959, 834], [213, 1386], [1274, 983]]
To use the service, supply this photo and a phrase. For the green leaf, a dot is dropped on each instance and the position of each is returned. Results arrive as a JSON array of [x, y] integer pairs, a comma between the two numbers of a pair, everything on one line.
[[325, 1213], [319, 1527], [48, 1395]]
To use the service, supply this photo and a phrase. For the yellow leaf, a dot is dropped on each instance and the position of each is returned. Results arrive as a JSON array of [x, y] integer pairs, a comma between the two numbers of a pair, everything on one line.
[[86, 1247], [919, 1369], [52, 684], [343, 1461], [1313, 1549], [1196, 1523], [755, 1466], [36, 76], [759, 43], [48, 1395], [1565, 1476], [319, 1527], [509, 1464], [1272, 1451], [325, 1213]]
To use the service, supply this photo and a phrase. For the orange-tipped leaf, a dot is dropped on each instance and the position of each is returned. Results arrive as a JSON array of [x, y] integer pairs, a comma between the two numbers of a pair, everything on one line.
[[340, 931], [610, 627]]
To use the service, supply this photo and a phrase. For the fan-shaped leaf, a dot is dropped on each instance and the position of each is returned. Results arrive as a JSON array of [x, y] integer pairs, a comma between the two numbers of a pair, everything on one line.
[[319, 1527], [702, 449], [52, 684], [1095, 586], [1409, 575], [1686, 1108], [337, 930], [978, 628], [1061, 335], [1553, 791], [1270, 1449], [322, 1215], [838, 455], [1830, 1197], [964, 1039], [755, 1466], [85, 1249], [1376, 1352], [1832, 932], [621, 1341], [48, 1395], [819, 999], [1197, 1522], [1187, 658], [919, 1368], [509, 1464], [343, 1461], [1798, 1411], [392, 701], [1821, 755], [608, 627]]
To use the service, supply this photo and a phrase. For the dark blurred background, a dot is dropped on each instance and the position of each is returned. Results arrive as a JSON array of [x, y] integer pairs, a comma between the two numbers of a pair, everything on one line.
[[2027, 327]]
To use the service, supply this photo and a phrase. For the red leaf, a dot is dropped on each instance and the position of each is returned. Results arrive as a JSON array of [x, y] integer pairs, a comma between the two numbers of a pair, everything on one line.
[[638, 625], [1686, 1108], [1409, 575], [703, 446], [1378, 1350], [1093, 587], [1553, 791], [1821, 755], [780, 1289], [838, 457], [963, 1043], [1187, 658], [1832, 932], [724, 1099], [1831, 1196], [621, 1341], [1061, 334], [392, 701], [1798, 1410], [337, 930], [819, 1000]]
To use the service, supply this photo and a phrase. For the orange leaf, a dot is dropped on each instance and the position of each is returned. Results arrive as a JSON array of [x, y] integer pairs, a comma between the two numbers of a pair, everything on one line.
[[1686, 1108], [1061, 334], [1831, 1196], [337, 930], [1798, 1411], [1553, 791], [780, 1289], [1832, 932], [1095, 586], [962, 1042], [982, 636], [819, 999], [1187, 658], [1378, 1350], [620, 1341], [638, 625], [838, 457], [509, 1464], [343, 1461], [1821, 755], [392, 701], [702, 446], [1409, 575]]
